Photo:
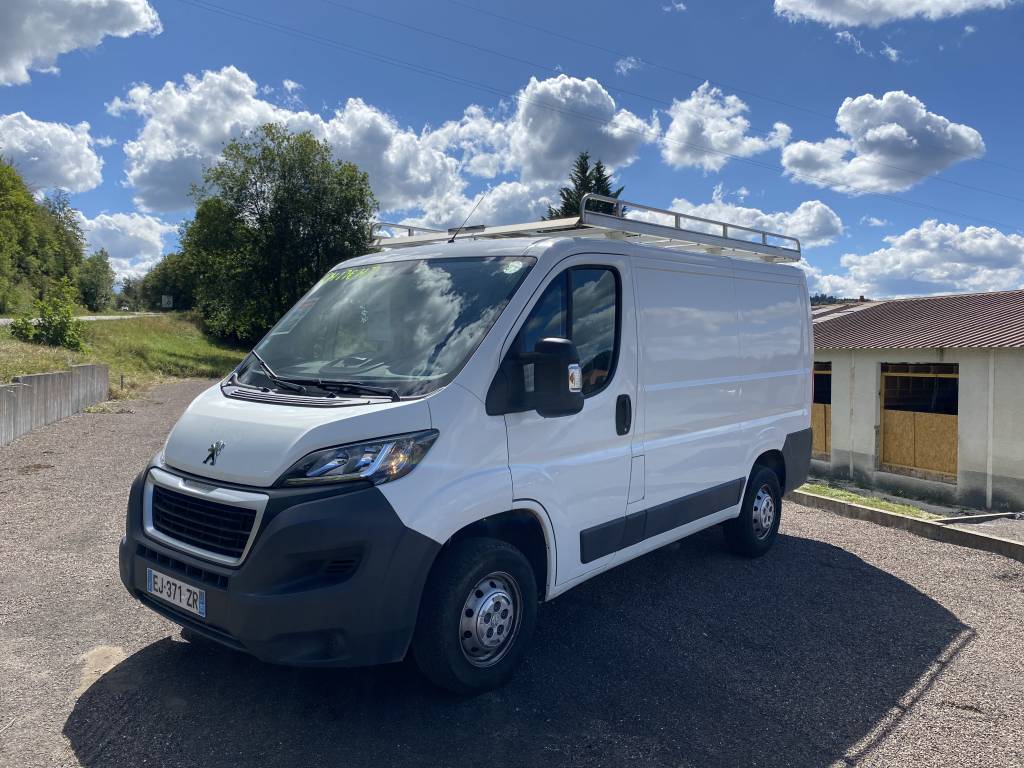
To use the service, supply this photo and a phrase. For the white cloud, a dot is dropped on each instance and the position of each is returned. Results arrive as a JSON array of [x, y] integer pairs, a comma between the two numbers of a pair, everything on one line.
[[509, 202], [33, 33], [813, 222], [932, 258], [627, 64], [969, 29], [50, 154], [874, 221], [553, 121], [890, 53], [291, 86], [888, 145], [874, 13], [674, 7], [480, 139], [709, 126], [187, 125], [557, 118], [134, 241], [846, 37]]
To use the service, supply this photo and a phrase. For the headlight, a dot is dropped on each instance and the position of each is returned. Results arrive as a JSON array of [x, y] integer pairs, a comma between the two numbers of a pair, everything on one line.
[[378, 461]]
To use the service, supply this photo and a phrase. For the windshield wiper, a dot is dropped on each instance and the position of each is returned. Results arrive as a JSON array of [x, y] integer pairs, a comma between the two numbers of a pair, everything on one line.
[[294, 386], [354, 387], [297, 385]]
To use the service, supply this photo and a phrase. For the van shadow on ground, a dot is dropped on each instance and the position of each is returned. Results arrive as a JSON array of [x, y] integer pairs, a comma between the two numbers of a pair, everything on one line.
[[686, 657]]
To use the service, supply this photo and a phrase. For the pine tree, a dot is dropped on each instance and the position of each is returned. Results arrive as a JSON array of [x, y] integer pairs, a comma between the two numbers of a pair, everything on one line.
[[584, 178]]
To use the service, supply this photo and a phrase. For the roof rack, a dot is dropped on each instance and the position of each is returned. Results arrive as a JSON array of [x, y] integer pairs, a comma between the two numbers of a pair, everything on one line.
[[602, 216], [410, 230]]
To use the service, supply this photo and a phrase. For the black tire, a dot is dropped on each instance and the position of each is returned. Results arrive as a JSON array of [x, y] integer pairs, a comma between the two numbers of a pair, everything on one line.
[[456, 581], [747, 534]]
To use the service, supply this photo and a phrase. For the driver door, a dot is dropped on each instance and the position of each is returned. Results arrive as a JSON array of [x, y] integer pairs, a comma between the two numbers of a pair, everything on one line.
[[578, 466]]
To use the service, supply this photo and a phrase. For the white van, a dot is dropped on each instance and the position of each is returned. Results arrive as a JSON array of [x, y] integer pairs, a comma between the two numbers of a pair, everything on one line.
[[441, 435]]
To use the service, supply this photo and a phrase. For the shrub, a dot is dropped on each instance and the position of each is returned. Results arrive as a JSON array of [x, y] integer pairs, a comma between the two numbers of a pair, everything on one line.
[[56, 325]]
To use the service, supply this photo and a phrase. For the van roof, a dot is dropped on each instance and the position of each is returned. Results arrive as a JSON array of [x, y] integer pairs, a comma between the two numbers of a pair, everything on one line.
[[611, 218]]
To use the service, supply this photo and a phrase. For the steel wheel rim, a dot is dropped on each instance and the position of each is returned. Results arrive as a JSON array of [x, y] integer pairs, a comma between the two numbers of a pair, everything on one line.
[[763, 512], [490, 619]]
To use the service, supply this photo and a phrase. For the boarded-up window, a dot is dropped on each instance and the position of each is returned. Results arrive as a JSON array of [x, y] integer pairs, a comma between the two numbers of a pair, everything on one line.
[[821, 411], [920, 403]]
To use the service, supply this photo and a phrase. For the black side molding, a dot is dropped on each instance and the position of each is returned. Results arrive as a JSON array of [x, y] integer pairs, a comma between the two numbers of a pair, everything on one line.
[[796, 452], [626, 531]]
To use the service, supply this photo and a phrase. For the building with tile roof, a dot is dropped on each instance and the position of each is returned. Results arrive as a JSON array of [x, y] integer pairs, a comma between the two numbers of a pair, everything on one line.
[[924, 396]]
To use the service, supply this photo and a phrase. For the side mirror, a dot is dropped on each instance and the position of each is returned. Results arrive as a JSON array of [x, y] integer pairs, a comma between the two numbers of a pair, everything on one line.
[[548, 380], [557, 378]]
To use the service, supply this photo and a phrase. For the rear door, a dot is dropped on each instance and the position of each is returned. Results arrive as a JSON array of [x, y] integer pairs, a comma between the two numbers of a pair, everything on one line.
[[578, 467]]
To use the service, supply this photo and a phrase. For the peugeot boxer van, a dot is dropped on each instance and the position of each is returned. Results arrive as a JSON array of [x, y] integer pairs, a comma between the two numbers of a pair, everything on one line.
[[445, 433]]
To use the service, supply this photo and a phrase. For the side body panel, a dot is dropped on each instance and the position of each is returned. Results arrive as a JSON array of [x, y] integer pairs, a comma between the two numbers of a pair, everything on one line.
[[689, 371], [724, 373], [775, 359]]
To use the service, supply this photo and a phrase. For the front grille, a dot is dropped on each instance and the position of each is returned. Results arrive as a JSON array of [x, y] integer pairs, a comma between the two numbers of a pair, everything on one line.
[[209, 525], [177, 566]]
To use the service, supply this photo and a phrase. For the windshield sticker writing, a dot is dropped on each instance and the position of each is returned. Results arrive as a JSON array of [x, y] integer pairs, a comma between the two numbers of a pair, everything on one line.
[[349, 273]]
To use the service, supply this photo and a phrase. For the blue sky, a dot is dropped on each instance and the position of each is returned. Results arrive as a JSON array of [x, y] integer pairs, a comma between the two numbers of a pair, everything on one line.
[[885, 133]]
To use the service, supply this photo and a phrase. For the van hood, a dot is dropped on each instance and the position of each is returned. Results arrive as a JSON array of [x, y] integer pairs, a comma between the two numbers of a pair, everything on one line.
[[263, 440]]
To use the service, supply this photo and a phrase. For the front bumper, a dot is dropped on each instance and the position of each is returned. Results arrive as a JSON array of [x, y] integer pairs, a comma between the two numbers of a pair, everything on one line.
[[333, 578]]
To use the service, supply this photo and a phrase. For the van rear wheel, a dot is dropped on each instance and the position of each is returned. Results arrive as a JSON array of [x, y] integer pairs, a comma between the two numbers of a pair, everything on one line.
[[755, 530], [478, 613]]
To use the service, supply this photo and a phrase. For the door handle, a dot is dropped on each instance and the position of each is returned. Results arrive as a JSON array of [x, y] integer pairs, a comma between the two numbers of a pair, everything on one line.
[[623, 414]]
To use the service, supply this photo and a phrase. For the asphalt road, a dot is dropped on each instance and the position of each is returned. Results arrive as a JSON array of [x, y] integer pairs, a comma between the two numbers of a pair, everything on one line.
[[849, 644]]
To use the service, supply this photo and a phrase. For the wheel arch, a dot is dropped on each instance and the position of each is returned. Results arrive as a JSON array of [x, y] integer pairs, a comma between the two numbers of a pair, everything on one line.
[[775, 461], [526, 528]]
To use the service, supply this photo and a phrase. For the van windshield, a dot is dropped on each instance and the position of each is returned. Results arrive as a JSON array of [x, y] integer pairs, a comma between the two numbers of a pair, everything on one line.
[[407, 326]]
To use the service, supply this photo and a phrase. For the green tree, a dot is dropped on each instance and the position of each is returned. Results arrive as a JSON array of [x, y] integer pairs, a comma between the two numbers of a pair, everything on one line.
[[18, 239], [54, 323], [68, 241], [40, 243], [273, 215], [131, 293], [584, 178], [96, 281], [176, 275]]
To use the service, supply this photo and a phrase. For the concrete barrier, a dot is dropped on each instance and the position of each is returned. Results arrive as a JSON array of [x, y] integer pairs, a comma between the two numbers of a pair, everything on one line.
[[43, 398], [926, 528]]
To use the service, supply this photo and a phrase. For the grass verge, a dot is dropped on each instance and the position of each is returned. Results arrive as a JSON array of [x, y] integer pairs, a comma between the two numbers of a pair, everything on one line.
[[145, 350], [842, 494]]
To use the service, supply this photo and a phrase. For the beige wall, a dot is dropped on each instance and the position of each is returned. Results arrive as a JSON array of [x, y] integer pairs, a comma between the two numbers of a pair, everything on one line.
[[856, 381]]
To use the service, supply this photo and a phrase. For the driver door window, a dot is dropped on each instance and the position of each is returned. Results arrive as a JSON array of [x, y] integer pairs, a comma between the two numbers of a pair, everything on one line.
[[581, 304]]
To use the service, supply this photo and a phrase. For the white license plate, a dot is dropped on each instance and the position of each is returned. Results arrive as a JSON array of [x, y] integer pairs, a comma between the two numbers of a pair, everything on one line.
[[176, 592]]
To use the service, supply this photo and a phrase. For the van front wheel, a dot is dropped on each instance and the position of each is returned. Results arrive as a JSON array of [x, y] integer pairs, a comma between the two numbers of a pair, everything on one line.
[[754, 531], [478, 613]]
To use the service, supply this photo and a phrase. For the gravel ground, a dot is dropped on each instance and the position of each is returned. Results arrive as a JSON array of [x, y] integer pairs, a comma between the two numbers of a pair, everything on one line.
[[849, 644]]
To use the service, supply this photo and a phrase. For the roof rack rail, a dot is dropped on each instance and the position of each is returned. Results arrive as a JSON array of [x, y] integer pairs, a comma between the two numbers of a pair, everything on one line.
[[602, 216], [380, 226]]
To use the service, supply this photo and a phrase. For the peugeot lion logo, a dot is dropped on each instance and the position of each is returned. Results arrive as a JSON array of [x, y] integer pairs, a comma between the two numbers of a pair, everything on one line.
[[215, 449]]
